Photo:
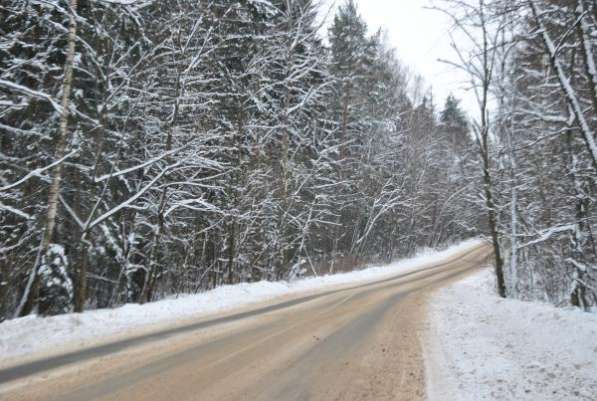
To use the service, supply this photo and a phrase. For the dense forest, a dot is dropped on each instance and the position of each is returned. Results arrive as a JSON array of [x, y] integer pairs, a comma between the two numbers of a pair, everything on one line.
[[151, 148]]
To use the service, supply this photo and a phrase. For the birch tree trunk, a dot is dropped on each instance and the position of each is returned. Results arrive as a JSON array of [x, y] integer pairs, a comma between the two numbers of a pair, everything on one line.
[[32, 290]]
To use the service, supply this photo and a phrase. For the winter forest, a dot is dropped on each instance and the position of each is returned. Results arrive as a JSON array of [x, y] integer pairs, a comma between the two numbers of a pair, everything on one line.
[[150, 148]]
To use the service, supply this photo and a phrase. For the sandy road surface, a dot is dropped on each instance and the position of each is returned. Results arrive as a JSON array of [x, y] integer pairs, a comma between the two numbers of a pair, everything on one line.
[[356, 343]]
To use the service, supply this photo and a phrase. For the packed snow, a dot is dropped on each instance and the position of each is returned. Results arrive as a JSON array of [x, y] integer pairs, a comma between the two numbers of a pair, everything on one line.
[[33, 335], [481, 347]]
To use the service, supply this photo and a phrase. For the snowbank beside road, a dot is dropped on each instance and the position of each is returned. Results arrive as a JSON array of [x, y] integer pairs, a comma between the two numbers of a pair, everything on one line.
[[32, 335], [481, 347]]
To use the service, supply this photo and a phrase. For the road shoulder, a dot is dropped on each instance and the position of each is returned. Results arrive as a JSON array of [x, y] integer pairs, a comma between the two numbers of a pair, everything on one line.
[[479, 346]]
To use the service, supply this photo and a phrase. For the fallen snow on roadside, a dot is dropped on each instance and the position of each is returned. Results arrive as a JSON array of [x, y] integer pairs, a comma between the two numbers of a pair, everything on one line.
[[31, 335], [481, 347]]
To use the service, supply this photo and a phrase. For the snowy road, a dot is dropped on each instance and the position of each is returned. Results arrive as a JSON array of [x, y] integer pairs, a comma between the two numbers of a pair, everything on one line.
[[354, 343]]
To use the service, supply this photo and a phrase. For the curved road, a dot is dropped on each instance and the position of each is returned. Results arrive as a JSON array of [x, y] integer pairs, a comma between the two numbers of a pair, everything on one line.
[[356, 343]]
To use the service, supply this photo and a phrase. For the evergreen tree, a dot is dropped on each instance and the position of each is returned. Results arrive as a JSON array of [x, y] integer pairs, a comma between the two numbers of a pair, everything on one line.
[[454, 125]]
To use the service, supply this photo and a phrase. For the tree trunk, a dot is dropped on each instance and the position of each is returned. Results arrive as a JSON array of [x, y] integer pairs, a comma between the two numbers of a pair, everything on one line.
[[584, 35], [231, 251], [345, 117], [150, 277], [493, 223], [81, 281], [32, 291], [484, 143]]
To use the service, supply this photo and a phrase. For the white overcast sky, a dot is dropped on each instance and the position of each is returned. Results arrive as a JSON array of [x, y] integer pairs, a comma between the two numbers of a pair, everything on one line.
[[421, 37]]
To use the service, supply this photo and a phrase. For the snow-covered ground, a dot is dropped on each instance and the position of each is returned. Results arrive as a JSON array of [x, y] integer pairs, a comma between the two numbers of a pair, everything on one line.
[[481, 347], [28, 336]]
